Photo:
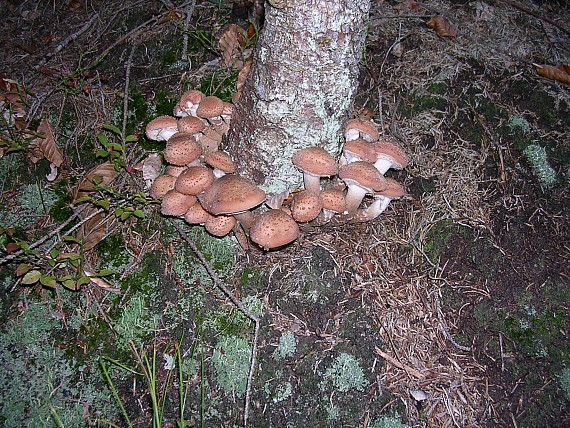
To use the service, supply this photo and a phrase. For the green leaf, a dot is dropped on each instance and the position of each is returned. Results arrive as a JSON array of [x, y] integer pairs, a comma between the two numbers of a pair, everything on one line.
[[104, 203], [48, 281], [54, 253], [105, 272], [125, 215], [51, 262], [113, 129], [70, 284], [103, 140], [83, 280], [70, 238], [131, 138], [118, 212], [83, 199], [74, 263], [22, 269], [139, 213], [102, 154], [116, 147], [31, 277]]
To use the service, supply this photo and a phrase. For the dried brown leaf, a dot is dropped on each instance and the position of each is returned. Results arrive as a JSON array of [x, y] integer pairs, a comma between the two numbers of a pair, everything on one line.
[[559, 73], [95, 229], [407, 5], [231, 41], [47, 143], [101, 175], [442, 27]]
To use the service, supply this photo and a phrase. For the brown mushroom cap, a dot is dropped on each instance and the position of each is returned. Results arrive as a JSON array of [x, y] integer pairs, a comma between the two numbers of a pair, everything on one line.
[[393, 189], [161, 185], [182, 149], [358, 128], [220, 161], [175, 171], [358, 149], [210, 107], [273, 228], [315, 162], [191, 125], [161, 128], [231, 194], [176, 204], [364, 174], [196, 215], [188, 103], [194, 180], [220, 225], [389, 154], [333, 200], [306, 206]]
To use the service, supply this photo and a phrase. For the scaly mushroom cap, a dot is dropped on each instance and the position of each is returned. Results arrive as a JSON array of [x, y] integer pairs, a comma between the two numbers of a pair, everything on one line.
[[188, 103], [358, 128], [389, 154], [381, 201], [191, 125], [358, 149], [220, 225], [333, 200], [194, 180], [175, 171], [196, 215], [182, 149], [305, 206], [161, 128], [231, 194], [221, 162], [210, 107], [315, 162], [273, 228], [393, 189], [363, 174], [161, 185], [176, 204]]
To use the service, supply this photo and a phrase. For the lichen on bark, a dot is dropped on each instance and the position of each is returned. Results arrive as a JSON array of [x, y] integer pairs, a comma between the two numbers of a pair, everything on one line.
[[301, 88]]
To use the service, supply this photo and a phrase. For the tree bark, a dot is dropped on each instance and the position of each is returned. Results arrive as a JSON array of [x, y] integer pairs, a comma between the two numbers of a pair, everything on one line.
[[301, 87]]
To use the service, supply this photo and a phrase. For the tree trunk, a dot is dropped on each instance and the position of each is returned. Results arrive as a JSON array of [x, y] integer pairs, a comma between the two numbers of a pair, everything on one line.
[[301, 87]]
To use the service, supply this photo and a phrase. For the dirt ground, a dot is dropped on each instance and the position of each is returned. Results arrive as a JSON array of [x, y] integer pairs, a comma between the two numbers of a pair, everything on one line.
[[451, 309]]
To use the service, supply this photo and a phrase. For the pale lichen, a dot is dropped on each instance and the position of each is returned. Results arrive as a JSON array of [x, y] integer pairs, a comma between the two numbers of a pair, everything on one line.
[[345, 374], [538, 160]]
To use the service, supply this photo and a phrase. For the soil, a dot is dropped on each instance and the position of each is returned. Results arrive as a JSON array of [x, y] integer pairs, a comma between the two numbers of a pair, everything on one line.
[[464, 282]]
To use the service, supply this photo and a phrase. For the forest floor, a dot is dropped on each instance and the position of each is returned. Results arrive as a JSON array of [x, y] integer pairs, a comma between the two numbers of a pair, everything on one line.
[[451, 309]]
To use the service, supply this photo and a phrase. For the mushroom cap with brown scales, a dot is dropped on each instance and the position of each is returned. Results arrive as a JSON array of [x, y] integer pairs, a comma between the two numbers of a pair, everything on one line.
[[210, 107], [273, 229], [175, 171], [333, 200], [194, 180], [381, 201], [181, 149], [305, 206], [358, 149], [361, 178], [358, 128], [231, 194], [188, 103], [315, 162], [161, 185], [191, 125], [161, 128], [176, 204], [196, 215], [221, 162], [220, 225], [389, 154]]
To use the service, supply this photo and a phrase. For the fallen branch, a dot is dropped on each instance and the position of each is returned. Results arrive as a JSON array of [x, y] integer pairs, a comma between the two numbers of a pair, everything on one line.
[[417, 374], [218, 283]]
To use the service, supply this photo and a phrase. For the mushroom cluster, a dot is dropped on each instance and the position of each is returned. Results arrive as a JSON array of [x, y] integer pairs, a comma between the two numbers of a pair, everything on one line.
[[200, 185]]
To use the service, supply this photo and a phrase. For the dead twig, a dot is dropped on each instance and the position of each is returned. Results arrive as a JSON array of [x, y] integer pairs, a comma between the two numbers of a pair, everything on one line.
[[417, 374]]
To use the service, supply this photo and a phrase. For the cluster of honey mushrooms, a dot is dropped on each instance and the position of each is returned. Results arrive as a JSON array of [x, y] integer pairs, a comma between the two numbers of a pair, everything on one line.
[[199, 182]]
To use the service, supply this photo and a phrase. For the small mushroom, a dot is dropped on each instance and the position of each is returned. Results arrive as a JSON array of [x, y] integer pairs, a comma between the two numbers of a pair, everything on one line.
[[182, 149], [176, 204], [194, 180], [188, 103], [175, 171], [315, 162], [273, 229], [196, 215], [361, 178], [161, 185], [210, 107], [220, 225], [221, 162], [355, 150], [358, 128], [381, 201], [235, 195], [161, 128], [389, 154], [191, 125], [333, 202], [306, 206]]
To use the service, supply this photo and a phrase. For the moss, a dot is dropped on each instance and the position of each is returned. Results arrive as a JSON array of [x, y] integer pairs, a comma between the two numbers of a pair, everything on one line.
[[437, 88], [439, 236], [287, 345], [231, 360], [344, 374], [387, 422], [421, 102], [538, 160], [164, 102], [30, 204], [220, 84]]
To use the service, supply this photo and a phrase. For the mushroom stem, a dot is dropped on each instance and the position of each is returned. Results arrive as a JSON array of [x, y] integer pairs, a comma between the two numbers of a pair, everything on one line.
[[383, 165], [245, 219], [312, 182], [354, 197], [377, 207]]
